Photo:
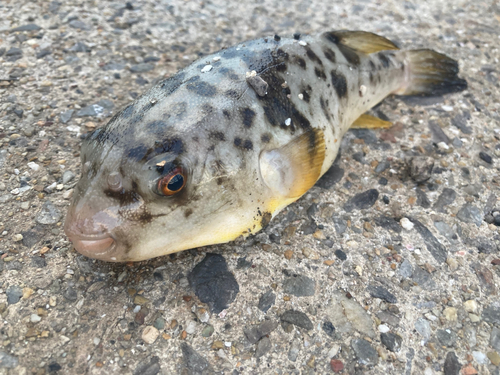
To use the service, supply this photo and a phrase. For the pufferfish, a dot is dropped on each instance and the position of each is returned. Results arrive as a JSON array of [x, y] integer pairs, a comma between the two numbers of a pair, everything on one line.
[[215, 152]]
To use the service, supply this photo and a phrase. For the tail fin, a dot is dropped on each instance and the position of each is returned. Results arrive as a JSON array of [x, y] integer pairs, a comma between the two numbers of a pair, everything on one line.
[[432, 74]]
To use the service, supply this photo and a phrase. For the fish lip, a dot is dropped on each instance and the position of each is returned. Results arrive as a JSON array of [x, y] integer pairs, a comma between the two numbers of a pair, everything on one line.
[[80, 241]]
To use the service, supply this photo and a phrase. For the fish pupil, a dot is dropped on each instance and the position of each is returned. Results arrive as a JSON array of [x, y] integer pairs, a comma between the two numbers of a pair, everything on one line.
[[176, 182]]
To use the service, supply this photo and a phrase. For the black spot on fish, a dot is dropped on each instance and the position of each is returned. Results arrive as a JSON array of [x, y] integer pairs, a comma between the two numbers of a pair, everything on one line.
[[372, 65], [324, 107], [140, 153], [331, 37], [232, 94], [320, 73], [260, 58], [188, 212], [281, 67], [310, 53], [124, 197], [270, 116], [171, 84], [229, 73], [245, 145], [226, 114], [142, 217], [329, 54], [384, 60], [296, 36], [350, 55], [266, 219], [248, 145], [218, 136], [202, 88], [173, 145], [372, 78], [306, 97], [277, 112], [137, 153], [282, 55], [339, 83], [298, 118], [300, 62], [247, 115], [156, 127], [277, 38], [265, 138]]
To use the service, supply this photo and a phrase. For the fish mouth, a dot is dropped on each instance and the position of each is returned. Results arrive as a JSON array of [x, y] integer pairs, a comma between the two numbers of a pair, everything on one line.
[[97, 246], [94, 247]]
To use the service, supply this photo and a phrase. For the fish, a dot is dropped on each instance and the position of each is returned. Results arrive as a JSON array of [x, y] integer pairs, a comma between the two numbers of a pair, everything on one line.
[[213, 153]]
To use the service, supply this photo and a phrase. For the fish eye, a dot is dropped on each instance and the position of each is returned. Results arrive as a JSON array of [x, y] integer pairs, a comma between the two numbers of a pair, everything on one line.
[[172, 183]]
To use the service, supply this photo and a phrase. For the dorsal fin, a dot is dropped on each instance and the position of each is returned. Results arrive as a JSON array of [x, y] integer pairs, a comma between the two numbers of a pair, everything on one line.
[[291, 170], [361, 41]]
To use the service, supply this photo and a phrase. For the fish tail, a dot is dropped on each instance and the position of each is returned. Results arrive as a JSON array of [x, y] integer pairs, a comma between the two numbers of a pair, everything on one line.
[[430, 73]]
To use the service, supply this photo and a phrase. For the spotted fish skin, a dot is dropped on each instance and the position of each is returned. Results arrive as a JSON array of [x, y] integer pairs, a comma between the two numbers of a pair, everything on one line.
[[239, 137]]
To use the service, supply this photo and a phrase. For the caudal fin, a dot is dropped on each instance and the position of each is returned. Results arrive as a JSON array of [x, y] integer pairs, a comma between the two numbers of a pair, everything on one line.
[[432, 74]]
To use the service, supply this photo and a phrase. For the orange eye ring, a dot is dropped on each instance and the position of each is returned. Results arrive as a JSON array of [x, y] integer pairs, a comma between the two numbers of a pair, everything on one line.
[[173, 182]]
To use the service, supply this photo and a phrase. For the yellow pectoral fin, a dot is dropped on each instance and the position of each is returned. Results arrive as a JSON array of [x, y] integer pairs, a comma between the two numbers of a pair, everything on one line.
[[291, 170], [370, 122]]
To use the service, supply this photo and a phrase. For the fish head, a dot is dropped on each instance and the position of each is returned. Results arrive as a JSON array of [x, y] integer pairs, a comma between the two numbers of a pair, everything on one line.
[[147, 193]]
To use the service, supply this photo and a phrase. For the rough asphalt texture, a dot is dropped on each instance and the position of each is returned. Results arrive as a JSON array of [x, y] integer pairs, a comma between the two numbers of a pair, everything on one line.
[[390, 265]]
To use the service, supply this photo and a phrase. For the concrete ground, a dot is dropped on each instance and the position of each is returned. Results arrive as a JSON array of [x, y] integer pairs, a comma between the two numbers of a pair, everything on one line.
[[407, 285]]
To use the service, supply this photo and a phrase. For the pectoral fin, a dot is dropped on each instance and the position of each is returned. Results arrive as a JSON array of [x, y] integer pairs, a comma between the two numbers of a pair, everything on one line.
[[291, 170], [370, 122]]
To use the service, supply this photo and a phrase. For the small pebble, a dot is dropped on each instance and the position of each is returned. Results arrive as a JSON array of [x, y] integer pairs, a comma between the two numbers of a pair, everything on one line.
[[337, 366], [406, 224], [150, 334], [487, 158], [34, 318], [383, 328], [470, 306], [34, 166]]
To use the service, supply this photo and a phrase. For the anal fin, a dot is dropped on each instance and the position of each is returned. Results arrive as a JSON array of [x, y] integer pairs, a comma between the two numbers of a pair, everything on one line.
[[361, 41], [291, 170], [370, 122]]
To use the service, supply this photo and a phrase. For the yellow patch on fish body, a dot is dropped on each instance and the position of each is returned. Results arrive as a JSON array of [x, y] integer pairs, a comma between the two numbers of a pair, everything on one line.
[[212, 154]]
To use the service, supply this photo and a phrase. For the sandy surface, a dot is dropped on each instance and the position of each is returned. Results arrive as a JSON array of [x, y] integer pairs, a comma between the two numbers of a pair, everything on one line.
[[376, 295]]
